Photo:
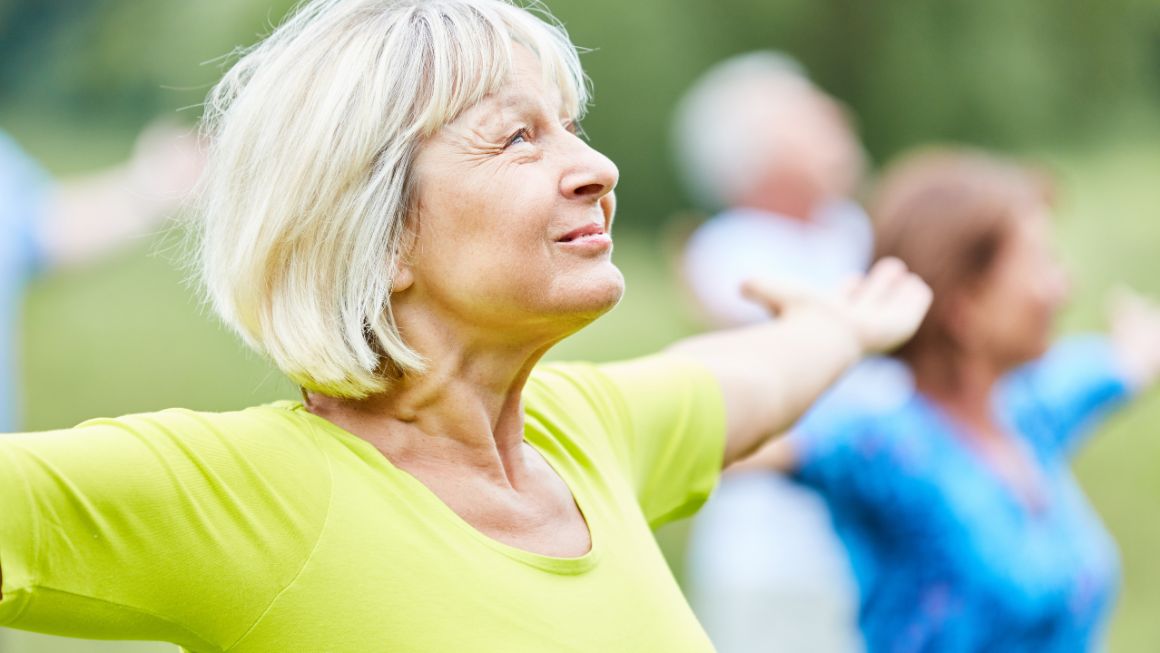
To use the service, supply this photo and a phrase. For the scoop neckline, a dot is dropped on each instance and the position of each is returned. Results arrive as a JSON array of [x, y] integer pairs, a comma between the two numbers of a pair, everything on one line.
[[960, 436], [552, 564]]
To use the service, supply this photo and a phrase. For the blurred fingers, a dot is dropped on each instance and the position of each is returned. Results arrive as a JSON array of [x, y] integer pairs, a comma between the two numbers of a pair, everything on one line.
[[774, 295], [850, 286], [884, 280], [917, 296]]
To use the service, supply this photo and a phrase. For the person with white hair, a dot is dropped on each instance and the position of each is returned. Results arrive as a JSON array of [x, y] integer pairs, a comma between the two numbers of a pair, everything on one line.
[[778, 157], [400, 214]]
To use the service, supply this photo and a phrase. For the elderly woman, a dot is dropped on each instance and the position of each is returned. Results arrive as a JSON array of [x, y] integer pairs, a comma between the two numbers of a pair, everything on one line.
[[400, 214], [958, 511]]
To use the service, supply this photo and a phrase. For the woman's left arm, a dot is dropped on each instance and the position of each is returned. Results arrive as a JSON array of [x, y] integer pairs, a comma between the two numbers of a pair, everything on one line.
[[771, 373]]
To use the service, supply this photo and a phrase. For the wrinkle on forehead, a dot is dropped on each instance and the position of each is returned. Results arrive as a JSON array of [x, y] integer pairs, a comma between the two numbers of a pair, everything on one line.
[[526, 89]]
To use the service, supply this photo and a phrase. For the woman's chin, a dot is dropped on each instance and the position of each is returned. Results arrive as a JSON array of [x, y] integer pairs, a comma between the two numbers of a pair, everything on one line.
[[1029, 354], [593, 296], [601, 300]]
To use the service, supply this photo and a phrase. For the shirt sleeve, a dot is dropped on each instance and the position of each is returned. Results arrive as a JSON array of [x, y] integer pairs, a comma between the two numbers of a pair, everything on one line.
[[1070, 390], [664, 418], [144, 527]]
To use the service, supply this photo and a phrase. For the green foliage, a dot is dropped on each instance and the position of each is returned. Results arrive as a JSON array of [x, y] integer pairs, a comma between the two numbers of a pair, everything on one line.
[[1006, 73]]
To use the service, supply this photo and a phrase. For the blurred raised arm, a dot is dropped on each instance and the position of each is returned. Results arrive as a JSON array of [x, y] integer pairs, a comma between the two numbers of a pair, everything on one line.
[[771, 373], [96, 213]]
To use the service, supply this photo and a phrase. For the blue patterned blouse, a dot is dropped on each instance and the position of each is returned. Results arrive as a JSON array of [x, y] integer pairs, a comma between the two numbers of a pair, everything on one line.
[[946, 556]]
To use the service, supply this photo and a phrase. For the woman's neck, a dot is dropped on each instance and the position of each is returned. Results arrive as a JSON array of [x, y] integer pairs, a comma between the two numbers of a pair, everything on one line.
[[964, 389], [965, 392], [465, 410]]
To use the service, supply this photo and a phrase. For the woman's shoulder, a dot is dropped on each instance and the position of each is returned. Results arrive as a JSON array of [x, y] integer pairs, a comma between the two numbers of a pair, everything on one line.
[[631, 404], [572, 397], [277, 419], [277, 432], [620, 394]]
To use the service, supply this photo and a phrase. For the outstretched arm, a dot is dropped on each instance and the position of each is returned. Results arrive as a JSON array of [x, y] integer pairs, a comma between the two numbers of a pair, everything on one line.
[[771, 373], [91, 215]]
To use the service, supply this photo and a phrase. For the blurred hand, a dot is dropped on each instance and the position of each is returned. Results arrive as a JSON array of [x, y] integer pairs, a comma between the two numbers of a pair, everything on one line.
[[882, 310], [166, 163], [1135, 332], [90, 216]]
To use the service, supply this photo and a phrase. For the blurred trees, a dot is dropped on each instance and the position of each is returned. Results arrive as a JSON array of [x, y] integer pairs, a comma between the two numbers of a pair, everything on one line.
[[1004, 73]]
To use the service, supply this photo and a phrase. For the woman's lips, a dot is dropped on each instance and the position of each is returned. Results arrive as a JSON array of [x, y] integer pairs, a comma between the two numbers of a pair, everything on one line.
[[587, 231], [590, 238]]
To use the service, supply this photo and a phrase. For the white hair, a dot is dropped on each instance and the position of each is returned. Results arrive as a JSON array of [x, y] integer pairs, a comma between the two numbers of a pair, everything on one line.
[[718, 134], [308, 189]]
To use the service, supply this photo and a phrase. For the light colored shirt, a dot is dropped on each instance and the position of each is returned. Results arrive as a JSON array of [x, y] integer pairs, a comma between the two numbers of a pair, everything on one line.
[[739, 244], [273, 530], [766, 570]]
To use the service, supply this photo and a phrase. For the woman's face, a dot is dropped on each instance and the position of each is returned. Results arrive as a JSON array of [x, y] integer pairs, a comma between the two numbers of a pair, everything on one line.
[[1011, 315], [514, 215]]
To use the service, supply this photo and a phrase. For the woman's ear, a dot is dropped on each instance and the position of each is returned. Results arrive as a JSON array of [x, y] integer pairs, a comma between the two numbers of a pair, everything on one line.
[[403, 277]]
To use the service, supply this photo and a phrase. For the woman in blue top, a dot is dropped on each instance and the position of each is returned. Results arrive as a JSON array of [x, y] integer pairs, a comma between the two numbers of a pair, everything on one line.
[[964, 526]]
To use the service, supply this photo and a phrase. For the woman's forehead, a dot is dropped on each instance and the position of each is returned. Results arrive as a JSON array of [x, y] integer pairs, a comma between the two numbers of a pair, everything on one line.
[[528, 82], [526, 89]]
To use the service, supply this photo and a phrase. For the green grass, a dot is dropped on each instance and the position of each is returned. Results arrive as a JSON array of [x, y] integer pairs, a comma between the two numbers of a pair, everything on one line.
[[127, 335]]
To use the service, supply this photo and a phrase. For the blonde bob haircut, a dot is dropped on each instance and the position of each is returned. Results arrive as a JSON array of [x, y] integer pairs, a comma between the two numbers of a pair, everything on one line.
[[307, 198]]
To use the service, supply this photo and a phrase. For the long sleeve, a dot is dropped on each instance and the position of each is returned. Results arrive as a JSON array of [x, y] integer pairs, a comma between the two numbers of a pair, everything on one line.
[[1067, 392]]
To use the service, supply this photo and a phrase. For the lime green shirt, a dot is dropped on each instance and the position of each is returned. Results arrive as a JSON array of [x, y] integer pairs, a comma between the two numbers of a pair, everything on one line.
[[271, 529]]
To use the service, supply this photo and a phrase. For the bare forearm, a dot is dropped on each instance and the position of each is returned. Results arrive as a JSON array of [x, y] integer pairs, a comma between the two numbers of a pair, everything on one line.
[[771, 373], [776, 455], [90, 216]]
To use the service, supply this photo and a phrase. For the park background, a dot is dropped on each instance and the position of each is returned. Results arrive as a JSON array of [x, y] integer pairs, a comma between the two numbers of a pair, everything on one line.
[[1073, 84]]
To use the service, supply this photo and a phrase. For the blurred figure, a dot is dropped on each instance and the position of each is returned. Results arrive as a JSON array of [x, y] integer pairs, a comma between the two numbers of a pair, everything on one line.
[[756, 138], [966, 529], [50, 225]]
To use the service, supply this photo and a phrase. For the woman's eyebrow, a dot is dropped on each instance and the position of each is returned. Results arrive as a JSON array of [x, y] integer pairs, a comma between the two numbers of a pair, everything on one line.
[[511, 106], [521, 102]]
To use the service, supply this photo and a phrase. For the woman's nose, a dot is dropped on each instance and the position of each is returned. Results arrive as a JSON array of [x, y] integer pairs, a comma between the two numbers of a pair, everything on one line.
[[591, 176]]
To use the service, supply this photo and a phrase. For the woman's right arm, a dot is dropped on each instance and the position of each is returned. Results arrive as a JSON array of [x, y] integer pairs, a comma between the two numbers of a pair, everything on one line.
[[770, 374], [776, 455], [142, 527]]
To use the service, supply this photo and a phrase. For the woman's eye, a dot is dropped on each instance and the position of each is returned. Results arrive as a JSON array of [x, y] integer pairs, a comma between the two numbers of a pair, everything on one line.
[[520, 136]]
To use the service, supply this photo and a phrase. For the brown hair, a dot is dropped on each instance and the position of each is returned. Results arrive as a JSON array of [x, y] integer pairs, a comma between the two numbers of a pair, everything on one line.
[[947, 213]]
